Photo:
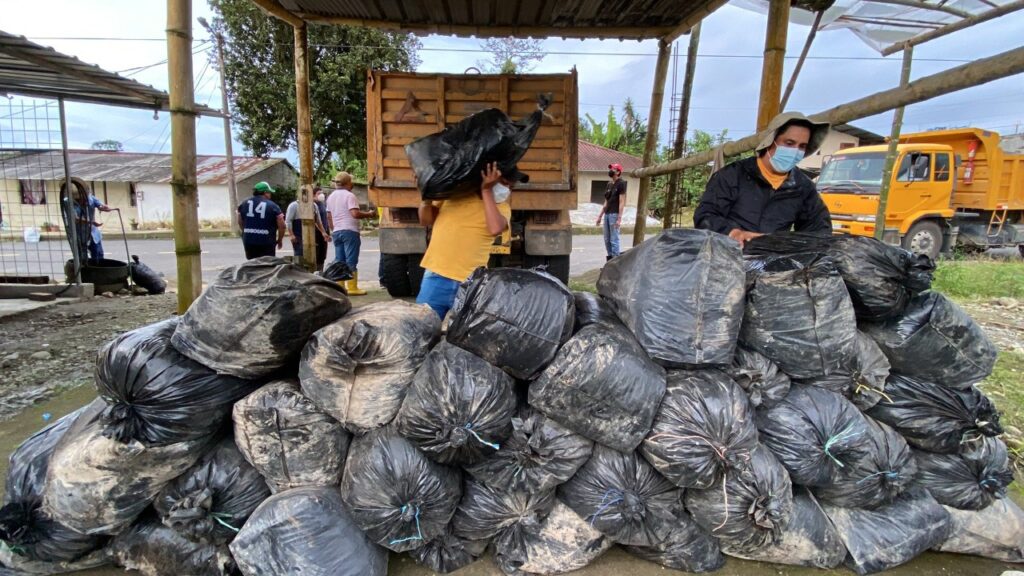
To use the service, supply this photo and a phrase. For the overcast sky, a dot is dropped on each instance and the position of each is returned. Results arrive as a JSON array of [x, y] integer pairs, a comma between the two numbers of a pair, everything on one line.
[[724, 96]]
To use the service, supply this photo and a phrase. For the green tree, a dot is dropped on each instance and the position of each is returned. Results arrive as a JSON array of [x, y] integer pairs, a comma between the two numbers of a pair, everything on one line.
[[107, 145], [260, 75], [626, 133], [692, 181], [511, 55]]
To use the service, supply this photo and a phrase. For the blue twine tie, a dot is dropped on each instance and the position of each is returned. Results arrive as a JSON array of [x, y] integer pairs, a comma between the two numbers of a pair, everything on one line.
[[419, 534], [469, 428], [606, 503], [889, 475], [841, 436]]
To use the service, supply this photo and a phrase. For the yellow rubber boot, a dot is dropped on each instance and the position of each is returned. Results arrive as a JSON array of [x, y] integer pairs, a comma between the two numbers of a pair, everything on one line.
[[352, 286]]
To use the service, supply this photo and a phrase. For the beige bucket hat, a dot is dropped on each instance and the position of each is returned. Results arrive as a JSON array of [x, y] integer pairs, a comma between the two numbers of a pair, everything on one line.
[[819, 131]]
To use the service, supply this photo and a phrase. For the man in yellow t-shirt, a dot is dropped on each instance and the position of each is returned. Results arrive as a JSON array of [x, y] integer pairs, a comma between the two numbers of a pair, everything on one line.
[[464, 230]]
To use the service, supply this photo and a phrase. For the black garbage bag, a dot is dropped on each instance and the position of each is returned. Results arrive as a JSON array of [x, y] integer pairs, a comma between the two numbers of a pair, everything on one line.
[[449, 162], [337, 271], [886, 537], [808, 539], [459, 408], [592, 309], [815, 434], [759, 377], [153, 549], [704, 429], [398, 496], [515, 319], [799, 314], [681, 293], [862, 378], [358, 368], [564, 542], [144, 276], [211, 501], [97, 485], [688, 547], [157, 396], [876, 479], [290, 441], [971, 480], [624, 497], [936, 418], [752, 507], [24, 527], [448, 553], [13, 564], [935, 340], [255, 317], [508, 519], [995, 532], [308, 532], [603, 386]]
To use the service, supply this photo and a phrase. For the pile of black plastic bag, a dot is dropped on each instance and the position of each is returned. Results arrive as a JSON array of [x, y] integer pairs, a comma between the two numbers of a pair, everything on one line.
[[809, 402]]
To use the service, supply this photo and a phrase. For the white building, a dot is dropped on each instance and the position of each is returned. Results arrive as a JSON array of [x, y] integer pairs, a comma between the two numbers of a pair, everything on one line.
[[840, 137]]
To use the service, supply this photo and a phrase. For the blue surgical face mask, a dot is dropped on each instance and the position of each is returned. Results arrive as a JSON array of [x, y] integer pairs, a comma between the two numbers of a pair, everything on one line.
[[501, 193], [785, 158]]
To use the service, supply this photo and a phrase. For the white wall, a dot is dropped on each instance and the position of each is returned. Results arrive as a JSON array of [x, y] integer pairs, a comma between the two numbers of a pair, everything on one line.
[[586, 179], [155, 202], [829, 147]]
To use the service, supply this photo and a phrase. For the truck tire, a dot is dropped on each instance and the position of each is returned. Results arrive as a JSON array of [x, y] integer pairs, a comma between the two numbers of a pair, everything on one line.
[[401, 274], [557, 266], [924, 237]]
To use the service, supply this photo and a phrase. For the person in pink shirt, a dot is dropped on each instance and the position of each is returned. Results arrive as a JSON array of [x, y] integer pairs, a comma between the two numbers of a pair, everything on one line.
[[343, 216]]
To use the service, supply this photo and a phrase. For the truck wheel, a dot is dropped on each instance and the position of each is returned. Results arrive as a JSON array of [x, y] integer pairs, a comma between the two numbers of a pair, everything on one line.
[[415, 273], [557, 266], [924, 238], [395, 275]]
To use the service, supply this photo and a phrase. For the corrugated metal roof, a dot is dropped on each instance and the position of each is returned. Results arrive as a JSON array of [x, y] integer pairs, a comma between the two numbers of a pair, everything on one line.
[[597, 158], [100, 165]]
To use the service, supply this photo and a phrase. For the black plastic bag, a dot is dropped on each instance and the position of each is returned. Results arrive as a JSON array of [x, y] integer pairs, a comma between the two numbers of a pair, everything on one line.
[[459, 408], [515, 319], [971, 480], [799, 314], [681, 293], [211, 501], [862, 378], [624, 497], [157, 396], [152, 549], [809, 539], [12, 564], [448, 553], [255, 317], [97, 485], [815, 434], [358, 368], [878, 478], [936, 418], [759, 377], [592, 309], [601, 385], [688, 547], [24, 527], [704, 429], [935, 340], [146, 277], [398, 496], [508, 519], [449, 162], [337, 271], [886, 537], [995, 532], [564, 542], [751, 509], [290, 441], [307, 532]]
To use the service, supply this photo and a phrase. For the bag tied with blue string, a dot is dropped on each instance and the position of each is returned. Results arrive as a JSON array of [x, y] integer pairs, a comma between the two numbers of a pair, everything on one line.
[[971, 480]]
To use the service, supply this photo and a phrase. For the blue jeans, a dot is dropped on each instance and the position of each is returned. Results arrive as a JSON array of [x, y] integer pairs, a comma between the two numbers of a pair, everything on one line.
[[437, 292], [611, 235], [346, 247]]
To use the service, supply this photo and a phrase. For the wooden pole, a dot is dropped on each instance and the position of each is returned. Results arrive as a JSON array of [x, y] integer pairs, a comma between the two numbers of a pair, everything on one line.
[[651, 145], [890, 155], [955, 26], [774, 59], [185, 208], [684, 112], [964, 76], [801, 60], [228, 147], [67, 201], [305, 138]]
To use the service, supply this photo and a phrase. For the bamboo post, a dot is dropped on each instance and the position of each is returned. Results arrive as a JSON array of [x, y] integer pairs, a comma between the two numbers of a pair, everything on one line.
[[305, 138], [651, 144], [890, 155], [183, 152], [681, 128], [801, 60], [774, 59]]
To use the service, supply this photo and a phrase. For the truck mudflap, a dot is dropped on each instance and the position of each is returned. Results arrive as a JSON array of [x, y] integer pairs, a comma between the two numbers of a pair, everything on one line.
[[405, 240], [548, 233]]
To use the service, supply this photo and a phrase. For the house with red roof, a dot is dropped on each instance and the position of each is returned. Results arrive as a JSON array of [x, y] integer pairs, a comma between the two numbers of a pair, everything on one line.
[[593, 173]]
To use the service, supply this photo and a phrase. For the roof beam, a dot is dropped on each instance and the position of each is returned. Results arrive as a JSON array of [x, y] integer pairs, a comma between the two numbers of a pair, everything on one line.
[[925, 6], [275, 9], [690, 21], [956, 26]]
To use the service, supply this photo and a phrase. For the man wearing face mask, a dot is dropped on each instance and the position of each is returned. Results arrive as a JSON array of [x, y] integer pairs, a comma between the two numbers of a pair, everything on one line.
[[610, 218], [768, 193]]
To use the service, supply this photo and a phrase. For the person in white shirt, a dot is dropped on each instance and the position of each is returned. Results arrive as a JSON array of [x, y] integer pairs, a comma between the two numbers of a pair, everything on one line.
[[293, 226], [343, 216]]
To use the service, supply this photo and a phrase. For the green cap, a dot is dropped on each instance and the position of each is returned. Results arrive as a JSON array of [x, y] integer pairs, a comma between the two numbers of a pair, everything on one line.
[[263, 188]]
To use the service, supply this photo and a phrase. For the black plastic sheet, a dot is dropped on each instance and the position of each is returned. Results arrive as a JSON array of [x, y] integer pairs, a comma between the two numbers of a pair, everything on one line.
[[147, 278], [759, 377], [254, 318], [935, 340], [337, 271], [688, 547], [308, 532], [878, 478], [514, 319], [703, 430], [448, 553], [592, 309], [359, 368], [971, 480], [564, 542], [601, 385], [152, 549], [682, 294], [995, 532], [459, 408], [401, 499], [508, 519]]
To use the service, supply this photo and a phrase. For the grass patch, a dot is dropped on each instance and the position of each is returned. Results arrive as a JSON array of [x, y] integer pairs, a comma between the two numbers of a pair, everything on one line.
[[1005, 388], [582, 286], [979, 279]]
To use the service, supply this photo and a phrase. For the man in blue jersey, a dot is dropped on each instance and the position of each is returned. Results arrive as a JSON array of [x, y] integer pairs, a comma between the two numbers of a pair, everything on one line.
[[262, 223]]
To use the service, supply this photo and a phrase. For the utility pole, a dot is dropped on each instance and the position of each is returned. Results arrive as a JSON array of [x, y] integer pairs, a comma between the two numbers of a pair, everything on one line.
[[228, 152]]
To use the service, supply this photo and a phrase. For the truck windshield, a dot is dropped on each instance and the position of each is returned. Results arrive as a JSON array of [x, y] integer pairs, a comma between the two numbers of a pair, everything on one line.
[[853, 173]]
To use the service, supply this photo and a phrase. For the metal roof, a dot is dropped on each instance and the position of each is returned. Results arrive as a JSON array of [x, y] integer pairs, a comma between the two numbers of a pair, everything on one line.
[[864, 136], [100, 165], [594, 158], [30, 69]]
